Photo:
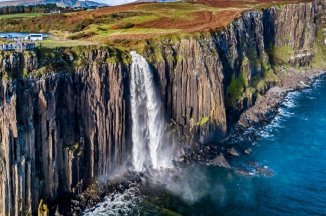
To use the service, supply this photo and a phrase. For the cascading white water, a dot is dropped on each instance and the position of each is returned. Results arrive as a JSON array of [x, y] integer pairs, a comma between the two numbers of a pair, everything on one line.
[[148, 124]]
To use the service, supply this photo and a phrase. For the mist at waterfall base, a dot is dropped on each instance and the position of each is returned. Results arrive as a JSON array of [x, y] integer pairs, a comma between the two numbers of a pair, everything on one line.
[[293, 146]]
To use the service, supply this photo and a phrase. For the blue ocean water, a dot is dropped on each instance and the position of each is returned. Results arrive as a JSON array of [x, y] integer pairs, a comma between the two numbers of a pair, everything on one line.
[[293, 146]]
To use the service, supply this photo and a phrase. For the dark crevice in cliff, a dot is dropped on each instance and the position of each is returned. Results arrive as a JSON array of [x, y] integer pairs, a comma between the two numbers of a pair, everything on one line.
[[269, 35]]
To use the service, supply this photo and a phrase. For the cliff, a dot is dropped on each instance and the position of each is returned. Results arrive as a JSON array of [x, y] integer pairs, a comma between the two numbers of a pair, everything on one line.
[[65, 113], [220, 74], [60, 130]]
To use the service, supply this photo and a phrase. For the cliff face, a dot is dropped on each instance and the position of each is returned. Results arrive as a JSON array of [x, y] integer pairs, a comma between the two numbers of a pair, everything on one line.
[[61, 130], [221, 75], [191, 80]]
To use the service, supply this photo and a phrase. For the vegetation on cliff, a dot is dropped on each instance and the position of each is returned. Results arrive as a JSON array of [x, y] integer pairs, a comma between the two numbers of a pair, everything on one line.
[[42, 60], [319, 49]]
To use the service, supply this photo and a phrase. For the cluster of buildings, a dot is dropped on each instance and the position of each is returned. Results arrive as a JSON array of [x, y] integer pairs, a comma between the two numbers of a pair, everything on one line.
[[32, 37], [18, 46], [21, 42]]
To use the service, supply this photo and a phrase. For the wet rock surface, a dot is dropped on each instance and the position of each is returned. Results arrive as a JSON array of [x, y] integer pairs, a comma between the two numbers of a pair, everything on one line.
[[253, 168], [221, 156], [97, 193]]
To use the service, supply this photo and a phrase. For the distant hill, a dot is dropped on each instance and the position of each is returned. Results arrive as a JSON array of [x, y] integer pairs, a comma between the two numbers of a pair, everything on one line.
[[62, 3], [157, 0]]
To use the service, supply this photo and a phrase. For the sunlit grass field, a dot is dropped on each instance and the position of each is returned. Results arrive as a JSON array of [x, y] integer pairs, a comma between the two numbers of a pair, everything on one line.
[[50, 43], [21, 15]]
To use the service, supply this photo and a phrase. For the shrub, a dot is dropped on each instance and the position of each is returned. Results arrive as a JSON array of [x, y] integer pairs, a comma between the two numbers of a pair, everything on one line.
[[43, 209], [203, 121], [235, 89]]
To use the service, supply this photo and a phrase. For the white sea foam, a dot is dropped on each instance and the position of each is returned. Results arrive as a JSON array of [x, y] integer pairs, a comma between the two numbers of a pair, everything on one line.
[[125, 203], [284, 112], [291, 99]]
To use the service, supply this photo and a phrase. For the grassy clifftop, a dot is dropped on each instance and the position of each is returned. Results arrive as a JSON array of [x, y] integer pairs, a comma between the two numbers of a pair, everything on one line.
[[131, 24], [43, 61]]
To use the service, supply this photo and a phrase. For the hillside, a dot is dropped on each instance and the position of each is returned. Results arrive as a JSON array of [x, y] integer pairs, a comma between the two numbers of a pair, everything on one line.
[[135, 22], [62, 3]]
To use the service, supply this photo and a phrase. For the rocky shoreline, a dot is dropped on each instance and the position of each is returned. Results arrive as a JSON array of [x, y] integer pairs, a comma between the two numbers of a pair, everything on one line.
[[97, 193], [247, 129], [253, 120]]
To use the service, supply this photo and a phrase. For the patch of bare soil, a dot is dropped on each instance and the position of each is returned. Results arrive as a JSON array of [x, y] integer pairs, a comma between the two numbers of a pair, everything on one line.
[[201, 21]]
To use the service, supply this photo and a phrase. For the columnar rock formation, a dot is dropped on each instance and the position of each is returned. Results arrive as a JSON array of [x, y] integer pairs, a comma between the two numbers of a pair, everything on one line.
[[196, 75], [61, 130]]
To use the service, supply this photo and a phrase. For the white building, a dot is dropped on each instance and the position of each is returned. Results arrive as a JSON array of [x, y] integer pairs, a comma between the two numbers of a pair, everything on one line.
[[34, 37]]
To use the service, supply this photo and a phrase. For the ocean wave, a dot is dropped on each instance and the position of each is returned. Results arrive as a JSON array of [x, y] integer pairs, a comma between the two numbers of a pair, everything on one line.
[[318, 82], [291, 99], [285, 110], [269, 130]]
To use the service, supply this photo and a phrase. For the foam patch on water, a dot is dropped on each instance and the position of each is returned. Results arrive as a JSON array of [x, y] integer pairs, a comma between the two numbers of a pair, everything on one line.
[[318, 82], [284, 112], [125, 203], [269, 130], [290, 99]]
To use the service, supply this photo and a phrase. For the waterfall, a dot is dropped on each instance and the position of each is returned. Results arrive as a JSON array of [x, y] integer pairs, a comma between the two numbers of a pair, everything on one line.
[[148, 124]]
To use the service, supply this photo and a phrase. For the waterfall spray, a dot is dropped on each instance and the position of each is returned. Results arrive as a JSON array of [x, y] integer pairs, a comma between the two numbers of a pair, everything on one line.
[[148, 123]]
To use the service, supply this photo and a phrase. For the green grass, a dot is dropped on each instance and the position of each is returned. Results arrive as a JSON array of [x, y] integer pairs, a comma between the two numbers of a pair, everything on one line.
[[138, 23], [202, 121], [64, 43], [236, 89], [21, 15], [138, 31], [319, 51], [282, 54], [62, 59]]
